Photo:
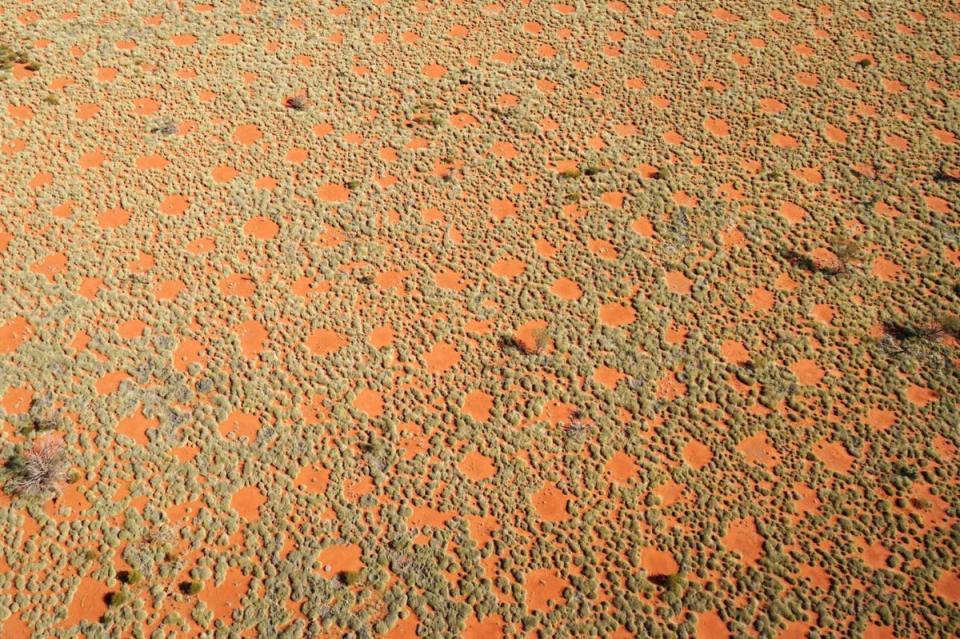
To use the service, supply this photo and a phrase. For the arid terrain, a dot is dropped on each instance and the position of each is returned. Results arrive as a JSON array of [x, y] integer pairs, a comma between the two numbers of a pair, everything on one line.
[[409, 318]]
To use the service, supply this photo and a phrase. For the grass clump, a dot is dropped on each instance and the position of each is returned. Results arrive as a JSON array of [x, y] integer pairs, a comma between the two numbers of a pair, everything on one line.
[[191, 587], [116, 599], [131, 577], [349, 577], [40, 470]]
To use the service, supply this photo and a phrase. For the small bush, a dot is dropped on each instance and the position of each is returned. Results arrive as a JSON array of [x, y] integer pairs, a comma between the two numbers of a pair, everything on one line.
[[575, 427], [349, 577], [131, 577], [191, 587], [847, 250], [904, 332], [511, 343], [43, 415], [942, 176], [795, 258], [905, 470], [118, 598], [9, 57], [167, 127], [950, 324], [541, 339], [296, 103], [669, 583], [41, 470]]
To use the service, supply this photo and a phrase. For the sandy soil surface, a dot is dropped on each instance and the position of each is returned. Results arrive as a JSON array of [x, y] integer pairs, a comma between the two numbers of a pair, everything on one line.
[[409, 318]]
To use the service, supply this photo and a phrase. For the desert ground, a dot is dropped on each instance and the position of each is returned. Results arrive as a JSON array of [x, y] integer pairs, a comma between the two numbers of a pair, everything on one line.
[[410, 318]]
